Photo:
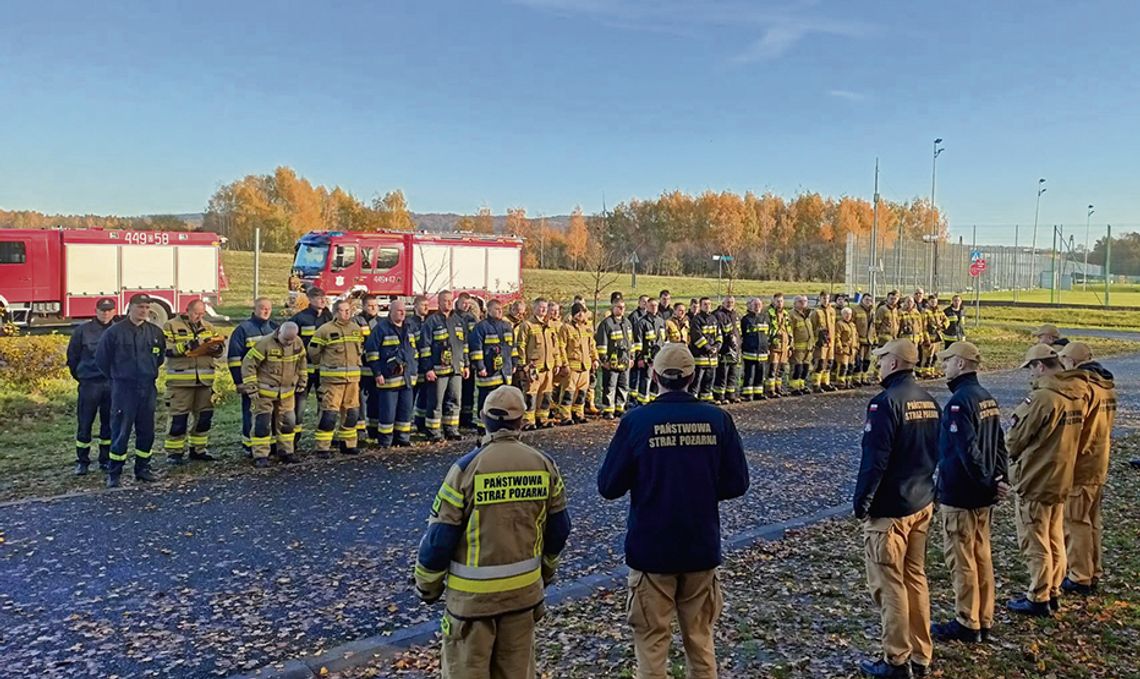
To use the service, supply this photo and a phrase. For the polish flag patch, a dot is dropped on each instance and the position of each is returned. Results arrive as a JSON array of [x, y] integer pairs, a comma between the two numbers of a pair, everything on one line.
[[874, 407], [955, 409]]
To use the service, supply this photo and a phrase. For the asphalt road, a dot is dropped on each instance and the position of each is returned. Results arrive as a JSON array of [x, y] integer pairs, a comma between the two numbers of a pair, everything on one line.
[[210, 577]]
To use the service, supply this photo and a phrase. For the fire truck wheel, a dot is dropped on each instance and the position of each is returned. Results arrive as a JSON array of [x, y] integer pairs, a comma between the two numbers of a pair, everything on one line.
[[158, 314]]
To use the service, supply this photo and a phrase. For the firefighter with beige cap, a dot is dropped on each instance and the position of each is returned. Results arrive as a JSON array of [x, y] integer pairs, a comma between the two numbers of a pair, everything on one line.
[[1050, 335], [972, 468], [1083, 526], [1043, 444]]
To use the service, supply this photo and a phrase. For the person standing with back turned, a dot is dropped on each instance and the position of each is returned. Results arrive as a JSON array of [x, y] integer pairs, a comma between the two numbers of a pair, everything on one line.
[[894, 497], [678, 458]]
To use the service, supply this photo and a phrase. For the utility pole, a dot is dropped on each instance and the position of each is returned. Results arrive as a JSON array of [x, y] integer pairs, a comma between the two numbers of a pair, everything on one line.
[[1053, 277], [1088, 226], [1033, 251], [873, 267], [1016, 263], [977, 283], [932, 271], [256, 262], [1107, 261]]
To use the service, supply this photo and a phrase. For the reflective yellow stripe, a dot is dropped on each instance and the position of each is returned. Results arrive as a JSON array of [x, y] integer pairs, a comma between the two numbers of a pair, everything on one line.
[[473, 541], [451, 496], [491, 586], [256, 354], [429, 576]]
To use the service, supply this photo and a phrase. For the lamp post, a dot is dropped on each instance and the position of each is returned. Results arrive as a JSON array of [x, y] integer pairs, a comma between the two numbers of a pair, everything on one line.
[[933, 276], [1088, 225], [1033, 250]]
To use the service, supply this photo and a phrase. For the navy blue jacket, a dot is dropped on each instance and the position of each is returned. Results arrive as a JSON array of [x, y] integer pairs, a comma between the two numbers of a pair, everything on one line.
[[900, 450], [81, 351], [389, 350], [248, 333], [131, 353], [971, 446], [677, 458]]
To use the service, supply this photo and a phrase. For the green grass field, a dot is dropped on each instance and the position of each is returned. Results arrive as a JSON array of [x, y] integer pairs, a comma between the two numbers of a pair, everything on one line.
[[1119, 295]]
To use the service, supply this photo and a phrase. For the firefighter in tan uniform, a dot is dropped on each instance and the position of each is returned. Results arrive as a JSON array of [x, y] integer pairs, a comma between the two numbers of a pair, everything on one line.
[[677, 325], [887, 319], [823, 351], [1043, 444], [779, 346], [273, 371], [497, 526], [1084, 552], [910, 322], [863, 315], [554, 323], [846, 343], [581, 353], [803, 338], [192, 349], [337, 349], [538, 359]]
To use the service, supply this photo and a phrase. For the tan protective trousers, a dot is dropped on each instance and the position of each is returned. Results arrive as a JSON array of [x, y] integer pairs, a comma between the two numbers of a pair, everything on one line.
[[653, 600], [1083, 530], [895, 555], [501, 647], [966, 549], [1041, 537]]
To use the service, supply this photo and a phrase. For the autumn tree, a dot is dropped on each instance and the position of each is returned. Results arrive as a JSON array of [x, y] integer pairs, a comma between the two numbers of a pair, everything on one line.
[[484, 221], [392, 211], [577, 236]]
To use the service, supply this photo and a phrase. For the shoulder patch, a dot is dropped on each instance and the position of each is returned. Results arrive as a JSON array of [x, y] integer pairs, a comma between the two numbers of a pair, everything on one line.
[[955, 409], [873, 407]]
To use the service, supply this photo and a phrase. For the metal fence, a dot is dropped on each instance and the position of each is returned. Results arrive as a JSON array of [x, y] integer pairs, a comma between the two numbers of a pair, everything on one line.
[[944, 267]]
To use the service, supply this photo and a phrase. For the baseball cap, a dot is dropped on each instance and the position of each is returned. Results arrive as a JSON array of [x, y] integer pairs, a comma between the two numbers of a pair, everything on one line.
[[1047, 329], [966, 350], [1038, 352], [105, 304], [140, 299], [504, 404], [901, 347], [1078, 352], [674, 360]]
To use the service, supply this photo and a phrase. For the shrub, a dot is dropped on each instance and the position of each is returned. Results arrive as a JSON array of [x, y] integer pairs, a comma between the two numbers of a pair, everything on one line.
[[32, 363]]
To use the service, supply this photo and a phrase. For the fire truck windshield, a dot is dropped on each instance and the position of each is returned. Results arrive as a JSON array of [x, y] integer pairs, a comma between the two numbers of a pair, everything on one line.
[[310, 259]]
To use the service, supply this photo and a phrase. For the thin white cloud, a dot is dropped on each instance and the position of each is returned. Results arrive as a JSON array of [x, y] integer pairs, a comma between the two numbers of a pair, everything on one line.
[[848, 95], [780, 26]]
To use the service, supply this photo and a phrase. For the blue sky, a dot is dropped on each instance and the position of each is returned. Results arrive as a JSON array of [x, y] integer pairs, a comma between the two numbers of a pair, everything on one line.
[[136, 108]]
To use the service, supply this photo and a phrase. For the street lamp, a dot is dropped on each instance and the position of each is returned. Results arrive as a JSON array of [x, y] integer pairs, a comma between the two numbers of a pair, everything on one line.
[[1088, 223], [720, 260], [933, 276], [1036, 214]]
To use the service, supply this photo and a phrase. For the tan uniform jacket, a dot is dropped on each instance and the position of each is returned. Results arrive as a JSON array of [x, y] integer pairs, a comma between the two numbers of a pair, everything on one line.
[[337, 349], [803, 336], [537, 344], [555, 325], [277, 369], [183, 370], [581, 348], [677, 329], [1091, 468], [823, 320], [864, 324], [886, 323], [1045, 435], [846, 340], [500, 497]]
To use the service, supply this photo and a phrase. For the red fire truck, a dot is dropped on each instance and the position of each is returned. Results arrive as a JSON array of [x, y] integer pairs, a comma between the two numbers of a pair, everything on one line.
[[402, 264], [61, 273]]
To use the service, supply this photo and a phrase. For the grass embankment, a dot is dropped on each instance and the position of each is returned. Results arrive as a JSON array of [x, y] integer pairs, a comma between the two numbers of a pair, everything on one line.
[[799, 607]]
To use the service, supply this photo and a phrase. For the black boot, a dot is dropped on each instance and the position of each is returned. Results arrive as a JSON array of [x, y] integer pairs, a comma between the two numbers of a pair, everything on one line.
[[350, 451], [261, 462], [1055, 604], [104, 457], [885, 670], [175, 459], [143, 472], [919, 670], [114, 472], [202, 455], [1024, 606], [955, 631], [81, 467]]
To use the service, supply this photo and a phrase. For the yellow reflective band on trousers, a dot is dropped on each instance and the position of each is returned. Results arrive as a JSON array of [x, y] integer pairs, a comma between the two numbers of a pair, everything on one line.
[[511, 487]]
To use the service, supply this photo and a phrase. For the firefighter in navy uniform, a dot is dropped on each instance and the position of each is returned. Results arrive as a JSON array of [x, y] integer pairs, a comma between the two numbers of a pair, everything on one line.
[[367, 426], [649, 334], [704, 342], [192, 349], [491, 348], [444, 363], [273, 371], [678, 459], [337, 349], [616, 348], [468, 308], [955, 321], [391, 354], [496, 529], [415, 321], [249, 332], [727, 375], [754, 350], [973, 464], [308, 320], [894, 497], [130, 354], [94, 389]]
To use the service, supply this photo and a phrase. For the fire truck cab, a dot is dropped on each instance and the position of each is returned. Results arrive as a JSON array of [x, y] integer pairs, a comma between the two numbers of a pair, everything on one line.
[[401, 264]]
